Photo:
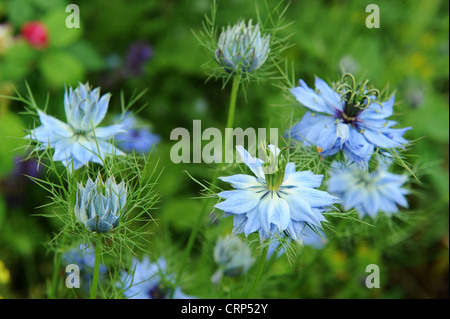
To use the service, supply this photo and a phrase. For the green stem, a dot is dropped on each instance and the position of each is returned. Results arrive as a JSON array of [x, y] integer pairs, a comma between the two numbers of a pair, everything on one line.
[[55, 277], [233, 99], [95, 280], [231, 111], [195, 229], [259, 271]]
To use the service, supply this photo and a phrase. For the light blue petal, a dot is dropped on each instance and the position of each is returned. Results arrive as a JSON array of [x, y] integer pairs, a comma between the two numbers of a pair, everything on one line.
[[301, 211], [304, 179], [255, 164], [241, 181], [252, 223], [238, 201]]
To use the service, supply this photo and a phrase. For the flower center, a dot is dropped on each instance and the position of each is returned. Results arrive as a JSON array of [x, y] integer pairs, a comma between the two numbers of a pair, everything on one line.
[[274, 171], [159, 292], [356, 98]]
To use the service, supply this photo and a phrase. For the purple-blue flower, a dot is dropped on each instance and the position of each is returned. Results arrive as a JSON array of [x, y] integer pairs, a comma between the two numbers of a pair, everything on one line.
[[275, 200], [80, 140], [349, 119], [136, 137], [367, 192], [147, 280]]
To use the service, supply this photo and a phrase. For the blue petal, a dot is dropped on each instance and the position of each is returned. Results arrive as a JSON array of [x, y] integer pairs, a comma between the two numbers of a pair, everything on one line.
[[255, 164], [303, 178], [238, 201], [301, 211], [241, 181]]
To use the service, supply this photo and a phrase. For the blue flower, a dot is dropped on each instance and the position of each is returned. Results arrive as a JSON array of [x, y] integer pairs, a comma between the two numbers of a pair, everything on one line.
[[367, 192], [242, 48], [348, 119], [135, 137], [147, 280], [100, 205], [275, 200], [233, 256], [79, 141]]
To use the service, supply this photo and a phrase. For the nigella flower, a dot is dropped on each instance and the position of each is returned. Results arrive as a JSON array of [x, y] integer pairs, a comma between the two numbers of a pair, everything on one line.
[[99, 205], [277, 199], [147, 280], [242, 47], [135, 137], [233, 256], [367, 192], [348, 119], [79, 141]]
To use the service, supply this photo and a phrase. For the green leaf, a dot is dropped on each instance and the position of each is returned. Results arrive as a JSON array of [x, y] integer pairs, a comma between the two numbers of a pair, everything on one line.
[[61, 68], [11, 133], [16, 62], [59, 34], [87, 54]]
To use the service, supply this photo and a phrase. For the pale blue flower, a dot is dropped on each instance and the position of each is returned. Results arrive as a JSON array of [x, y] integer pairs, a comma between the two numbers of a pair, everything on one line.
[[147, 280], [367, 192], [99, 205], [242, 47], [349, 119], [80, 140], [233, 256], [270, 203]]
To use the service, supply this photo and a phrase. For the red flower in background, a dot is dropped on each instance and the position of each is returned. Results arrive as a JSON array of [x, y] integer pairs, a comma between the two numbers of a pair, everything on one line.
[[36, 34]]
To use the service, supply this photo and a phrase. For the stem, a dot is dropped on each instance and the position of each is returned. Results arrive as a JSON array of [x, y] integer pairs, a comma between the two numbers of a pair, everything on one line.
[[55, 277], [195, 229], [231, 111], [96, 271], [233, 98], [259, 271]]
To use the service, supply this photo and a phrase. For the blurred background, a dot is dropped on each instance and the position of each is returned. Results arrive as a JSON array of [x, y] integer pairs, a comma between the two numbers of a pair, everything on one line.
[[131, 46]]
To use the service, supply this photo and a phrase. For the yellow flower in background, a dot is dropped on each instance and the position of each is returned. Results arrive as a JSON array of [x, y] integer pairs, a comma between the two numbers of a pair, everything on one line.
[[4, 274]]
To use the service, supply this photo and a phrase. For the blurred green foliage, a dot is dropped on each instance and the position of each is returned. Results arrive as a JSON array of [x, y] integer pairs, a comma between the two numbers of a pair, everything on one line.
[[409, 53]]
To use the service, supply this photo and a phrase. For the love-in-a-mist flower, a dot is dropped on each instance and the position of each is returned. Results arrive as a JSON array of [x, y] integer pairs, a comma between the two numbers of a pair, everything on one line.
[[147, 280], [367, 192], [242, 47], [99, 205], [349, 118], [80, 140], [277, 199], [233, 257], [135, 137]]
